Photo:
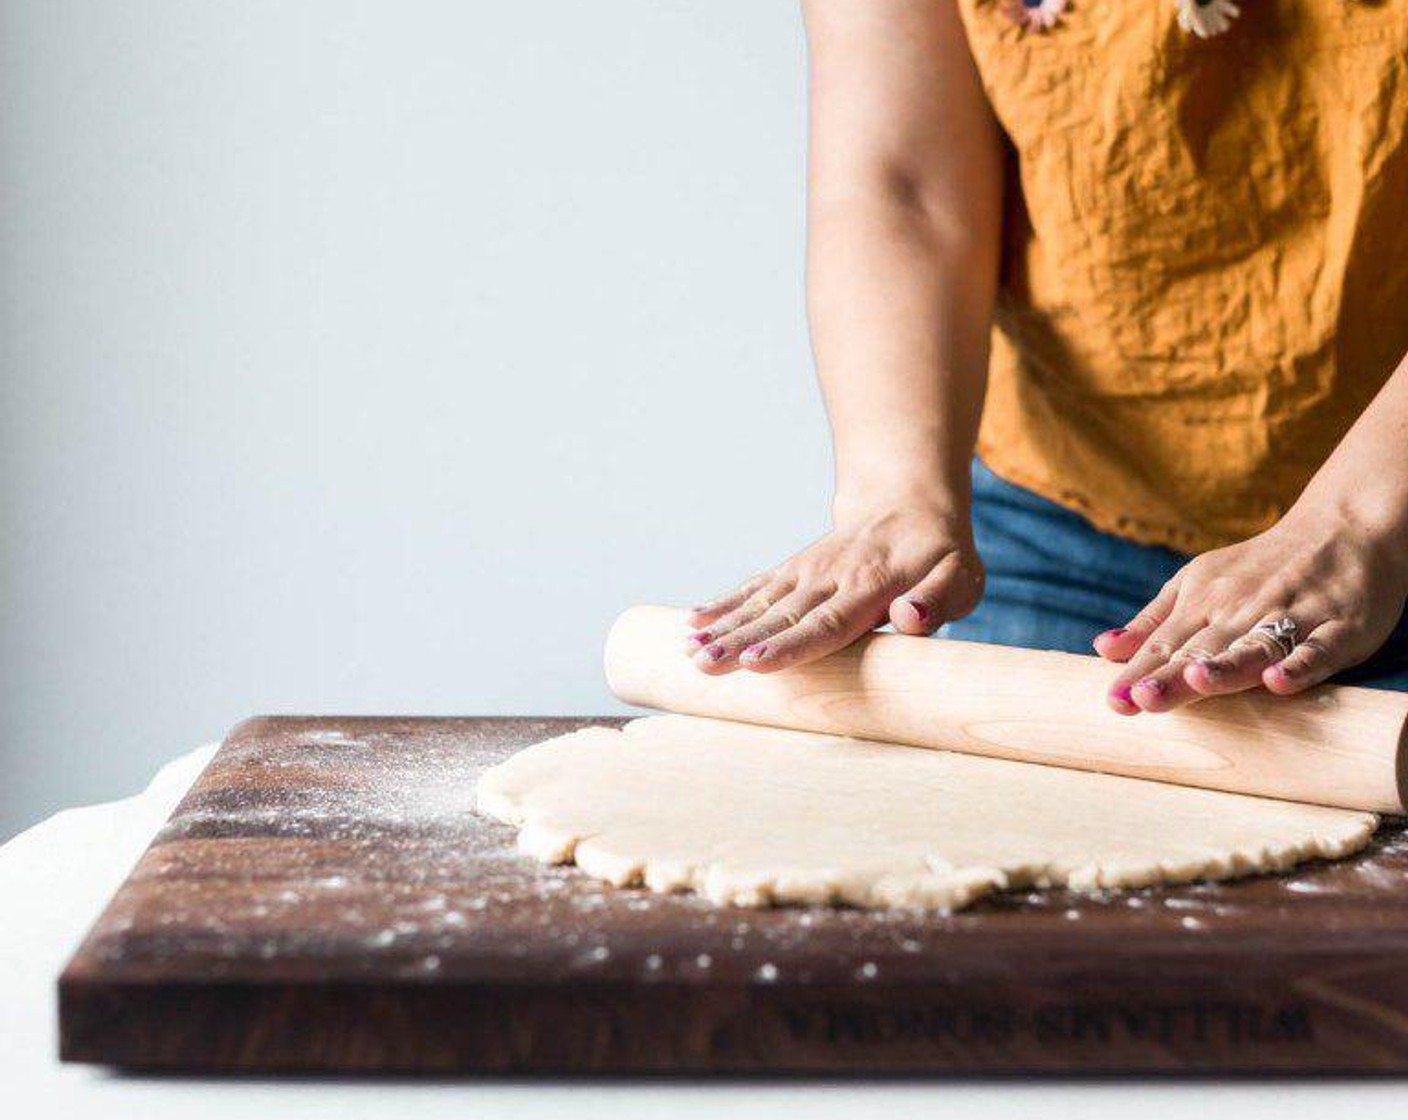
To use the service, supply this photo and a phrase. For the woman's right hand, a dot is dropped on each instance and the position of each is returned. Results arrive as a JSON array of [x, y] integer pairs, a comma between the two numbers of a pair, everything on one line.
[[911, 564]]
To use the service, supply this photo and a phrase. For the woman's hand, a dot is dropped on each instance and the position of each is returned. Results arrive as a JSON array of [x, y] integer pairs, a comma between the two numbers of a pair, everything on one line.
[[1341, 583], [914, 565]]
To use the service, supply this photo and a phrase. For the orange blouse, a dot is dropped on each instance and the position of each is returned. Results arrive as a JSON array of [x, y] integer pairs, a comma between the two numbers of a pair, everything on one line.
[[1205, 273]]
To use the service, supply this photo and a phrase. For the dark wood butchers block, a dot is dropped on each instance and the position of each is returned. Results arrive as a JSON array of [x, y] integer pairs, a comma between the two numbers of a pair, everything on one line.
[[324, 899]]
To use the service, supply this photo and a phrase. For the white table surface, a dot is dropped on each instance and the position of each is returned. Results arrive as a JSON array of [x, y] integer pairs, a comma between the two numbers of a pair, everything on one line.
[[55, 878]]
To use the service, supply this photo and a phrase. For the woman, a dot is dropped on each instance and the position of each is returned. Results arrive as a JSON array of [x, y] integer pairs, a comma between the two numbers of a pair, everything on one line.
[[1156, 276]]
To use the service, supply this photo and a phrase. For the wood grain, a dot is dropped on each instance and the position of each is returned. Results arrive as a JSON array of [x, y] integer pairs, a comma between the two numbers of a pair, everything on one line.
[[324, 900], [1337, 745]]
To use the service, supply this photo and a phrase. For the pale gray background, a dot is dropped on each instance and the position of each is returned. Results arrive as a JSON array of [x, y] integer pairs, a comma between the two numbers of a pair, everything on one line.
[[370, 356]]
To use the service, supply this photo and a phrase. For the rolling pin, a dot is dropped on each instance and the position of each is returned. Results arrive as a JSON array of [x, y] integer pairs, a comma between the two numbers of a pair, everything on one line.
[[1333, 745]]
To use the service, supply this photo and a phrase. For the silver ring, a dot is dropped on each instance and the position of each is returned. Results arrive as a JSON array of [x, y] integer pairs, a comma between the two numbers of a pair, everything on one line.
[[1280, 635], [1282, 632]]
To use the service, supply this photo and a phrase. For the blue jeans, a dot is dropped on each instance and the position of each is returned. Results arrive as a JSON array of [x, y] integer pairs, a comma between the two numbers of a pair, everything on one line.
[[1055, 581]]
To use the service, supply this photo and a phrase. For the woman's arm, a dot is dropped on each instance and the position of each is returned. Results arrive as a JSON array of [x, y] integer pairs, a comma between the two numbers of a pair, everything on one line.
[[904, 216], [1336, 565]]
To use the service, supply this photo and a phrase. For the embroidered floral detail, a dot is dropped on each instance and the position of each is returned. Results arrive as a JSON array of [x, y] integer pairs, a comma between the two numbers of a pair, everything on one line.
[[1036, 15], [1206, 18]]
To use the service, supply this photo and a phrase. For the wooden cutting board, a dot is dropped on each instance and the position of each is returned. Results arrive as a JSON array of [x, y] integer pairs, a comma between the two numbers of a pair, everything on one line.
[[325, 899]]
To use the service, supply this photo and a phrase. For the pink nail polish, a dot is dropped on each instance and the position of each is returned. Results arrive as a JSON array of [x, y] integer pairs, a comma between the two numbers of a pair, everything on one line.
[[714, 652], [1152, 684], [1123, 693], [919, 609], [702, 638], [753, 653], [1208, 666], [1118, 632]]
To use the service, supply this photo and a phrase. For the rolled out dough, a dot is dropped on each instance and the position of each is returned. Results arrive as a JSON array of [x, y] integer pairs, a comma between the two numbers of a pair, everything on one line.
[[754, 816]]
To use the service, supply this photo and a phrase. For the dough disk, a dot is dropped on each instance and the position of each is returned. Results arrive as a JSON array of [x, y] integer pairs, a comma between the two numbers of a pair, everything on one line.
[[755, 815]]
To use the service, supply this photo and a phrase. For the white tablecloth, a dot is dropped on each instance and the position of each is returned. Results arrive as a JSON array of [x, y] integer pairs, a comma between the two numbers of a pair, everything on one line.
[[55, 878]]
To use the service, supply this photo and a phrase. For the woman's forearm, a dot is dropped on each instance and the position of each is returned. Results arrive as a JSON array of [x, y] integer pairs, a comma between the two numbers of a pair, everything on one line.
[[905, 191], [1364, 482], [901, 340]]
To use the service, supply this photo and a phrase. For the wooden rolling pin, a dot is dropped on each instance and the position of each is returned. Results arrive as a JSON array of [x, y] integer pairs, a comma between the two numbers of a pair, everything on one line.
[[1331, 746]]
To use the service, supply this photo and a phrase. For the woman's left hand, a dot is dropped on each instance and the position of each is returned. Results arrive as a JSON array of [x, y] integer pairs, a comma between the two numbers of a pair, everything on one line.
[[1341, 584]]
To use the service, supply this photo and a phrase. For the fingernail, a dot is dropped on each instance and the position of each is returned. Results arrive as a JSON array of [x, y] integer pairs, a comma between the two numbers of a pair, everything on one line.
[[1122, 701], [702, 638], [1208, 666], [1117, 632], [919, 609], [753, 653], [1151, 684], [713, 652]]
